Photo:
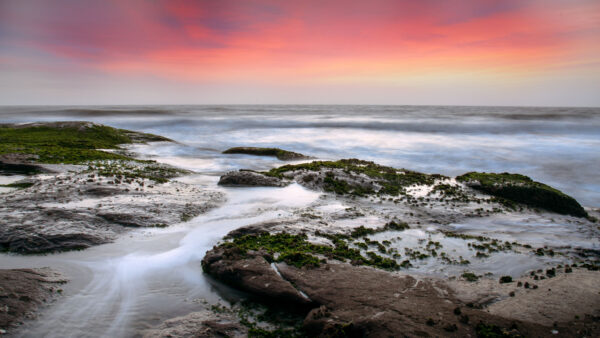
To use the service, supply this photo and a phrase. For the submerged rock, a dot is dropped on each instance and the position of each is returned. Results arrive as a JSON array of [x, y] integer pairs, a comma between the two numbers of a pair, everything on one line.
[[281, 154], [251, 178], [522, 189]]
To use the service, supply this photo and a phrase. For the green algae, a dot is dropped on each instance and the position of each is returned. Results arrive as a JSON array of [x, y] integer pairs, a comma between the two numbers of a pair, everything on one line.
[[68, 142], [392, 181], [129, 170], [297, 251], [17, 185], [522, 189]]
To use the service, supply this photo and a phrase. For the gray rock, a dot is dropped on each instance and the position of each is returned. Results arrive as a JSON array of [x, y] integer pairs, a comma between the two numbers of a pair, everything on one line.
[[72, 211]]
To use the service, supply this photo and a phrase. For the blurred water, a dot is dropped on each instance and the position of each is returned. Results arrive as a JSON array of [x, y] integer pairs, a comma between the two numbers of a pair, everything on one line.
[[558, 146]]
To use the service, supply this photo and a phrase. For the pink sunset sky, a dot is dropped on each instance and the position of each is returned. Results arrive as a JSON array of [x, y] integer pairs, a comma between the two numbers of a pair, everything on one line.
[[484, 52]]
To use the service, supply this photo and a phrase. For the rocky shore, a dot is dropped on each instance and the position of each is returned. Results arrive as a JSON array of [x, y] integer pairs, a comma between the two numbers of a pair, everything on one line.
[[345, 270], [382, 252], [80, 189]]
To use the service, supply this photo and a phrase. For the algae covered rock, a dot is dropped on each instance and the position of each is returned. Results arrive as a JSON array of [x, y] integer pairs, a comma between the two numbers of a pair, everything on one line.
[[354, 177], [281, 154], [71, 142], [522, 189], [250, 178]]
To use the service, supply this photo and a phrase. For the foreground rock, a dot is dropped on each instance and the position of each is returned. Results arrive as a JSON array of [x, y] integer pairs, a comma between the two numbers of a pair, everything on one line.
[[281, 154], [349, 300], [205, 324], [23, 291]]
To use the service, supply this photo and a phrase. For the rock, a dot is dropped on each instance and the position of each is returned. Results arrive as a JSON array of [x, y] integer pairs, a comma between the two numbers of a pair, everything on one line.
[[23, 291], [252, 273], [354, 177], [346, 300], [201, 324], [281, 154], [522, 189], [35, 244], [71, 211], [250, 178]]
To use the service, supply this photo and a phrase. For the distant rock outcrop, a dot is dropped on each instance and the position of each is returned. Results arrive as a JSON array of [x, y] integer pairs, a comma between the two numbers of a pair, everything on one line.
[[281, 154]]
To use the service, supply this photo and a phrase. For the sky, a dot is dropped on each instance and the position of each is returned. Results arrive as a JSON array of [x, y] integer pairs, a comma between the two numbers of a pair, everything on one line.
[[426, 52]]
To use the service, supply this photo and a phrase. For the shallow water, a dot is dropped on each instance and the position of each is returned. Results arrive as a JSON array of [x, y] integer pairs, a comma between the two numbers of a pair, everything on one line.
[[152, 275]]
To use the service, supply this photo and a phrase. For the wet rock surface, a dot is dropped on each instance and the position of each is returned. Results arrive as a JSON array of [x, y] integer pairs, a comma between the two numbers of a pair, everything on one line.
[[250, 178], [359, 301], [204, 324], [73, 210], [252, 273], [23, 291]]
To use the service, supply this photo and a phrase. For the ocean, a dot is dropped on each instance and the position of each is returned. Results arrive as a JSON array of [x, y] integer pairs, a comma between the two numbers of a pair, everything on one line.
[[557, 146]]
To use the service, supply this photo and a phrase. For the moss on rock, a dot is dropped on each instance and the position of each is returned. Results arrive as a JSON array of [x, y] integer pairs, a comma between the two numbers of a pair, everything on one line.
[[522, 189], [391, 181], [297, 251], [67, 142]]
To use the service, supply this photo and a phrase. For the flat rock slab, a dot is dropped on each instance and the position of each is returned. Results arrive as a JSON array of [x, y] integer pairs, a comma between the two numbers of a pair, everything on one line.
[[72, 211], [362, 301]]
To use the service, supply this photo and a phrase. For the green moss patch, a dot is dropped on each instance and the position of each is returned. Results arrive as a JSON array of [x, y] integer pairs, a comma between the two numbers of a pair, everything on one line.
[[17, 185], [68, 142], [297, 251], [469, 276], [522, 189], [258, 151], [128, 170], [392, 181]]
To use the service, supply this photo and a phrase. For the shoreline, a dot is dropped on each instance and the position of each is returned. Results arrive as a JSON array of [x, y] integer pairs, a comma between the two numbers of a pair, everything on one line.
[[433, 216]]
